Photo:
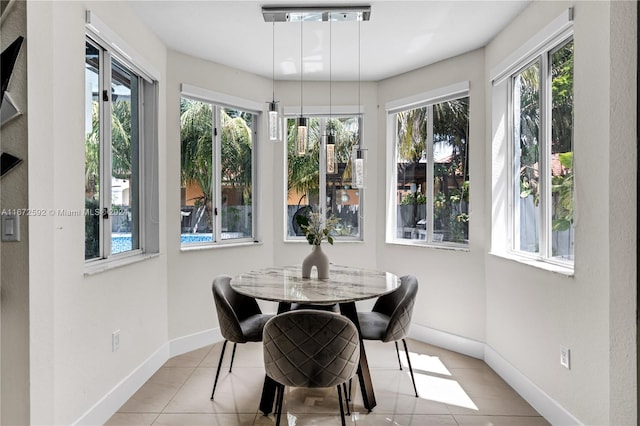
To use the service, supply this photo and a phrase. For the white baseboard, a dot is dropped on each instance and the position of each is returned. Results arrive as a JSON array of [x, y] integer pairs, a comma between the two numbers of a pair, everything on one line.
[[536, 397], [194, 341], [113, 400], [449, 341]]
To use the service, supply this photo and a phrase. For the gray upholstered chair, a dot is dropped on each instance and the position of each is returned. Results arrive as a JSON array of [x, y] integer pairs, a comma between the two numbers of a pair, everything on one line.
[[239, 316], [312, 349], [390, 318]]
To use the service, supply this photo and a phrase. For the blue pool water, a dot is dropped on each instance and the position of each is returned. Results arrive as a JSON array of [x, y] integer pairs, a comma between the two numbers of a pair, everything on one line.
[[122, 242]]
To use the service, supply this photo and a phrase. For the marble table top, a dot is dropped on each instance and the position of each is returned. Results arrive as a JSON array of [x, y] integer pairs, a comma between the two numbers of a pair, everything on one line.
[[285, 284]]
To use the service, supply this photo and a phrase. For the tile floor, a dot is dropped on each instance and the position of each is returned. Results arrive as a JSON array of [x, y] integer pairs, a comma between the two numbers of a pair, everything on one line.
[[454, 390]]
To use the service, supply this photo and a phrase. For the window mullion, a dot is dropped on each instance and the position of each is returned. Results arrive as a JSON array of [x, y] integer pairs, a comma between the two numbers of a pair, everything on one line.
[[513, 150], [142, 213], [429, 180], [216, 188], [545, 157], [105, 155]]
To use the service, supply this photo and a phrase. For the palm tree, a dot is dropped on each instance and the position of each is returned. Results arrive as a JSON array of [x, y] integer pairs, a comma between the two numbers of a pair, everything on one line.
[[196, 149], [196, 139], [303, 171], [236, 154]]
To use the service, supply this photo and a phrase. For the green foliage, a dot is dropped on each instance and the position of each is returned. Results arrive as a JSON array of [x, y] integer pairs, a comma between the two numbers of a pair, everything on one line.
[[316, 228], [410, 198], [91, 228], [92, 155], [561, 129], [562, 191], [196, 147], [303, 170]]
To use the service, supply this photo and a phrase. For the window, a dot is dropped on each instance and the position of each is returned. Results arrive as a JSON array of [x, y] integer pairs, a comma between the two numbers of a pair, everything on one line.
[[542, 143], [314, 183], [430, 171], [120, 145], [217, 173], [532, 176]]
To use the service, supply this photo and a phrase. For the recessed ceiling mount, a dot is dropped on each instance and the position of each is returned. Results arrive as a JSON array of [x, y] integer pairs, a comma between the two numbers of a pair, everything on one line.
[[316, 13]]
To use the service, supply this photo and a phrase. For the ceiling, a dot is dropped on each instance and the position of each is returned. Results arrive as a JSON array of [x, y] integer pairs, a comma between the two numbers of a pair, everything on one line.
[[401, 35]]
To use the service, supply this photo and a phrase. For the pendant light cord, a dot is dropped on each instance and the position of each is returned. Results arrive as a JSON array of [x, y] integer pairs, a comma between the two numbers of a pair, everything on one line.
[[330, 64], [273, 66], [301, 65], [359, 84]]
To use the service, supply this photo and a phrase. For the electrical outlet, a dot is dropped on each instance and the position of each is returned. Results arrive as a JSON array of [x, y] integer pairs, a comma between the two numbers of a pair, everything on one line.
[[115, 341], [565, 357]]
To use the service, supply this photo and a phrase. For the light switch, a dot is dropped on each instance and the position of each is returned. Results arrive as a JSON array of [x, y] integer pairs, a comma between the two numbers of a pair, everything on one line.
[[10, 228]]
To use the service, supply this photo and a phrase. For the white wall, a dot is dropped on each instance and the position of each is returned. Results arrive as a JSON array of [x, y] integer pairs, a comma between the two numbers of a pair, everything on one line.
[[343, 96], [14, 303], [523, 314], [451, 296], [532, 312], [73, 315], [191, 272]]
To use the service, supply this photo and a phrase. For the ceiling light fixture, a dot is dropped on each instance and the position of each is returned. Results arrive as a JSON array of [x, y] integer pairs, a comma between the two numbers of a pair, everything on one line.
[[316, 13]]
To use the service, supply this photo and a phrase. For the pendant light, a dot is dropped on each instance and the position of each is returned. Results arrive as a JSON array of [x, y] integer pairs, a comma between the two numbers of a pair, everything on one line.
[[331, 138], [359, 153], [302, 123], [274, 120]]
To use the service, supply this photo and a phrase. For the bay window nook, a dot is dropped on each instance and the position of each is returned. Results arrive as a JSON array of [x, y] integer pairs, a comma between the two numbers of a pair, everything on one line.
[[501, 171]]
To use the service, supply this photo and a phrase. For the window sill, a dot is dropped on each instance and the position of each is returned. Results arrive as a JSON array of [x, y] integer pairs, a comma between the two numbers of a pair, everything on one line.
[[105, 265], [422, 244], [199, 247], [536, 263], [338, 242]]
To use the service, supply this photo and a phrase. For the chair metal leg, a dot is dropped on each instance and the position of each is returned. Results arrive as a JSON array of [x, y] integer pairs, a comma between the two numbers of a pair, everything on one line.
[[215, 382], [346, 398], [415, 389], [398, 353], [279, 403], [233, 355], [341, 407]]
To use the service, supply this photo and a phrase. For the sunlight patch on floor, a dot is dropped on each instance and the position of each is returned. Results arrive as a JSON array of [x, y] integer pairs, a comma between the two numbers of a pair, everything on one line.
[[442, 390], [425, 363]]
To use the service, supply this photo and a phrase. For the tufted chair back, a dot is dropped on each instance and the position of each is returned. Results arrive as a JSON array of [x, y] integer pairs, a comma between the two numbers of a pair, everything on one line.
[[233, 308], [311, 348], [398, 306]]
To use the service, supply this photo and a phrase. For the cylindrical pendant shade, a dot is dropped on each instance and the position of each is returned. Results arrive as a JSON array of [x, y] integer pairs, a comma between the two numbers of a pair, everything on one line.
[[275, 123], [301, 142], [331, 154], [359, 167]]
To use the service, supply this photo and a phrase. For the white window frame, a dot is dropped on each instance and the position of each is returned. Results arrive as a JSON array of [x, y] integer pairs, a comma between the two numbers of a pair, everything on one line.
[[505, 173], [217, 101], [428, 100], [323, 113], [111, 46]]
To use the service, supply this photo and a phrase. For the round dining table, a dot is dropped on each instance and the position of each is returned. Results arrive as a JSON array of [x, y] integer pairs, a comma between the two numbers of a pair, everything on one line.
[[345, 286]]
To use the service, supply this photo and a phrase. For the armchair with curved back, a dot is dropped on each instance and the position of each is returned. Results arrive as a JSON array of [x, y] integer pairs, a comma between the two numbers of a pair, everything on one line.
[[310, 348], [239, 316], [390, 318]]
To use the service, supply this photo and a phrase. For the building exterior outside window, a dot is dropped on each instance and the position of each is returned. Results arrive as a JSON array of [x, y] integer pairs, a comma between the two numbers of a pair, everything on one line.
[[431, 172]]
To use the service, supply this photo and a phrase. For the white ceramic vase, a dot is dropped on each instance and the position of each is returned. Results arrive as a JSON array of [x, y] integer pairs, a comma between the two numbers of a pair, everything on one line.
[[316, 258]]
